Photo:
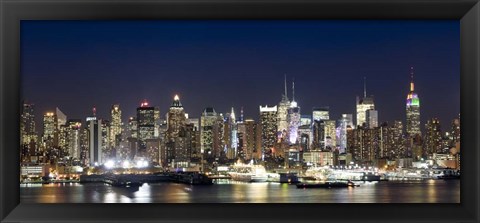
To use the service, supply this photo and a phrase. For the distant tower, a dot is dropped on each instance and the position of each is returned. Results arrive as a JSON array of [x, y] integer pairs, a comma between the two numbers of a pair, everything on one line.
[[413, 110], [283, 105], [268, 123], [116, 124], [364, 104], [145, 125], [293, 118]]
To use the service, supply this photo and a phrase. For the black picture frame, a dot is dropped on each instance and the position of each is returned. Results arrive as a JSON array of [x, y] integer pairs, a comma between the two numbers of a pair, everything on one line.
[[13, 11]]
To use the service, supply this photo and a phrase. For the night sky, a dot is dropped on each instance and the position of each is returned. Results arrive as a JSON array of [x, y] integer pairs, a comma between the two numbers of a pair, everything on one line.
[[78, 64]]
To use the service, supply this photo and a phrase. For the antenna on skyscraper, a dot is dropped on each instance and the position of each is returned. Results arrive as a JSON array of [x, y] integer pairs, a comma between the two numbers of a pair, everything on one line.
[[94, 110], [411, 82], [293, 89], [241, 114], [364, 87], [285, 80]]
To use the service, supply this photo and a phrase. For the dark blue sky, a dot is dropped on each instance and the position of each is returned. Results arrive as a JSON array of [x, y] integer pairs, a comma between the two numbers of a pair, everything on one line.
[[77, 64]]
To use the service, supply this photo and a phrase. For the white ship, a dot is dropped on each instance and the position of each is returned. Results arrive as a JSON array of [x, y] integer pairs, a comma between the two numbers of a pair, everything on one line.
[[327, 173], [248, 173]]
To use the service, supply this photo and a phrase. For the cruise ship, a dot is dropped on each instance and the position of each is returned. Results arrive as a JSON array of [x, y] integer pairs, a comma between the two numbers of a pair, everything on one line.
[[248, 173], [327, 173]]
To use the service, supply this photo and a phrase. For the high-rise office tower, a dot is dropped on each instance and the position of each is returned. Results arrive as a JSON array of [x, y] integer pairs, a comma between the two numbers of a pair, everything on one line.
[[132, 127], [433, 137], [345, 122], [73, 138], [208, 130], [250, 139], [282, 113], [176, 121], [321, 113], [455, 132], [116, 124], [95, 142], [413, 110], [371, 118], [398, 141], [145, 125], [318, 130], [330, 135], [268, 122], [293, 118], [50, 130], [364, 104], [231, 138], [27, 124]]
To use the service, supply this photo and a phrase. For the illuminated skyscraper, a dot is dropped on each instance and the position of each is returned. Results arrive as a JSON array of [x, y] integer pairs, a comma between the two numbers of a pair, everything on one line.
[[27, 124], [145, 125], [116, 124], [330, 135], [176, 121], [73, 138], [321, 113], [95, 140], [433, 137], [268, 122], [364, 104], [372, 118], [282, 113], [209, 130], [293, 118], [345, 122], [413, 110], [455, 132], [233, 145], [50, 130]]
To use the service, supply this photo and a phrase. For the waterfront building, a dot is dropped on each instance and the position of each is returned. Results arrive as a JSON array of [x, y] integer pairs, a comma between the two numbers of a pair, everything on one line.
[[116, 125], [95, 142], [413, 110], [268, 122], [145, 126], [364, 104]]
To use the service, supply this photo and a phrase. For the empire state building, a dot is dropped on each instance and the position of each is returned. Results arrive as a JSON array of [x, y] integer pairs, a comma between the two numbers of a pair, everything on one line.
[[413, 110]]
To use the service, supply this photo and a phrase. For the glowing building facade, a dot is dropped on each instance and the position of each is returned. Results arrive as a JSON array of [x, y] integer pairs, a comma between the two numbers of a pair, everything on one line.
[[293, 119], [363, 105], [413, 110], [282, 114], [145, 125], [268, 123], [116, 124]]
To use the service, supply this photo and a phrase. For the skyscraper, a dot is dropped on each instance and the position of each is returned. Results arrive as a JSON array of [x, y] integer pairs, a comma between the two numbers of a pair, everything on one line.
[[321, 113], [364, 104], [145, 125], [268, 122], [433, 137], [27, 124], [95, 144], [176, 121], [345, 122], [293, 118], [73, 138], [372, 118], [282, 113], [50, 130], [116, 124], [413, 110], [330, 135]]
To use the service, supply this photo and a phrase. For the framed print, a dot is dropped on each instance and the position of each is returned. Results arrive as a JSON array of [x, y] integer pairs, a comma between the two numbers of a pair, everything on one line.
[[138, 111]]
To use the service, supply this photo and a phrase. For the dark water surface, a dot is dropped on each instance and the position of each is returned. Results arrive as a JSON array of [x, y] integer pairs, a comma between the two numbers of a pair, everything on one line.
[[430, 191]]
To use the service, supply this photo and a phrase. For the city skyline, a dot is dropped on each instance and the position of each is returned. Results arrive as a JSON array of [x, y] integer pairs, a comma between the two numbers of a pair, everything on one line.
[[311, 90]]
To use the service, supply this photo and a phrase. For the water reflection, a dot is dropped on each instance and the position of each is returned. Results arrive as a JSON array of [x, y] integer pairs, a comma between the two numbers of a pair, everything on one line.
[[437, 191]]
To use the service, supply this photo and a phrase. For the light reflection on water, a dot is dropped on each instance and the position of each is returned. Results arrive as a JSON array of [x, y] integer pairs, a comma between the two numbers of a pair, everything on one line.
[[434, 191]]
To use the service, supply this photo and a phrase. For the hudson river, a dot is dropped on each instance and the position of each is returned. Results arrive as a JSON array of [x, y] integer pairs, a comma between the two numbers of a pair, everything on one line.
[[429, 191]]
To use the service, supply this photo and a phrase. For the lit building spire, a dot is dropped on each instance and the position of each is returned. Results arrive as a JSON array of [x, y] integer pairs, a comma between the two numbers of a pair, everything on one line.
[[144, 103], [94, 110], [176, 98], [232, 115], [364, 87], [241, 114], [176, 101], [412, 87], [293, 89], [285, 81]]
